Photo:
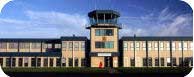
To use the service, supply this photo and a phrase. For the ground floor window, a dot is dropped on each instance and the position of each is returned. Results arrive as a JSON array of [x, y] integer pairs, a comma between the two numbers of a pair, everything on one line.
[[174, 61], [33, 62], [13, 62], [188, 61], [83, 61], [76, 62], [26, 61], [180, 61], [156, 62], [63, 61], [162, 61], [70, 62], [132, 60], [1, 61], [58, 62], [45, 62], [144, 62], [38, 62], [8, 62], [149, 61], [20, 62], [168, 60], [51, 62]]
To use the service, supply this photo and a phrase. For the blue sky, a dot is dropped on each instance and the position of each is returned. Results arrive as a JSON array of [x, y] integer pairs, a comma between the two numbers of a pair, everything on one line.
[[55, 18]]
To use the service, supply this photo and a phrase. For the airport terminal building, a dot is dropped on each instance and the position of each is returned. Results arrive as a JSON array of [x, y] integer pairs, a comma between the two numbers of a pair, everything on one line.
[[104, 48]]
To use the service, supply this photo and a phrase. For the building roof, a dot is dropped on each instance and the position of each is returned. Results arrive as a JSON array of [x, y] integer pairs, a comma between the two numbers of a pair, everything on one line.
[[30, 54], [158, 38], [53, 40], [93, 13], [74, 38]]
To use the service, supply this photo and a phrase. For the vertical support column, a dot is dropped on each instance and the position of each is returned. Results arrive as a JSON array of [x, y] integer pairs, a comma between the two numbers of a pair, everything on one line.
[[171, 53], [134, 50], [159, 54], [146, 53], [182, 53]]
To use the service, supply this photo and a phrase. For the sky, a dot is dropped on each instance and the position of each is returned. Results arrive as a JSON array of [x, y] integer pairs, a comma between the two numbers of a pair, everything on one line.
[[56, 18]]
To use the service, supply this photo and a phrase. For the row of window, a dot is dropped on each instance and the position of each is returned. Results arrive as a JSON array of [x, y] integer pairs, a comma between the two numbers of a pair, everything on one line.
[[104, 32], [156, 46], [107, 44], [75, 46], [187, 61], [36, 62]]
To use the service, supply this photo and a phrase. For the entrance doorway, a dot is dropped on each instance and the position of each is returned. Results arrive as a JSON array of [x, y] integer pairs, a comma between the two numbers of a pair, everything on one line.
[[108, 61]]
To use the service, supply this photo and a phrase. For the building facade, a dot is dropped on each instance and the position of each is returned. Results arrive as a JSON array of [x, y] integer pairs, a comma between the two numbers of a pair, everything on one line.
[[103, 49]]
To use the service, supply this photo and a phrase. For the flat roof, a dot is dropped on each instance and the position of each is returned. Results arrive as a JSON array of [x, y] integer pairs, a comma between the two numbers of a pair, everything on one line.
[[158, 38]]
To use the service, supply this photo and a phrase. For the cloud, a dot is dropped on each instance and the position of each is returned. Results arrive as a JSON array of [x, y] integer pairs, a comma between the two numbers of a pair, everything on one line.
[[164, 23], [44, 24]]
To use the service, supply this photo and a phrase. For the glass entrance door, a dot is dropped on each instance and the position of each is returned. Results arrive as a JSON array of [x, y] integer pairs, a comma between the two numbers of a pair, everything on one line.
[[108, 62]]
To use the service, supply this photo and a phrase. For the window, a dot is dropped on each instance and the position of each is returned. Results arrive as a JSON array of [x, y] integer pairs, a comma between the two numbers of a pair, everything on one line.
[[83, 46], [149, 61], [180, 61], [57, 45], [162, 61], [63, 61], [161, 46], [104, 32], [168, 62], [173, 46], [180, 46], [49, 45], [8, 62], [70, 62], [191, 45], [144, 62], [108, 44], [51, 62], [3, 45], [174, 61], [1, 61], [35, 45], [76, 46], [20, 62], [144, 46], [13, 62], [38, 62], [70, 46], [33, 62], [83, 62], [125, 45], [64, 46], [137, 45], [45, 62], [26, 61], [156, 62], [168, 46], [76, 62], [132, 60], [131, 46], [13, 45], [58, 62], [24, 45], [155, 46], [149, 46], [185, 46]]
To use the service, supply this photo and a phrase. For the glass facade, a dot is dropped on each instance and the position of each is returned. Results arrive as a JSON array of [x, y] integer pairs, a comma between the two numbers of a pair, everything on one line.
[[108, 44], [104, 32]]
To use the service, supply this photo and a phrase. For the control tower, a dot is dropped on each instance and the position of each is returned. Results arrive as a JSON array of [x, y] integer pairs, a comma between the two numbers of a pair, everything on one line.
[[104, 36]]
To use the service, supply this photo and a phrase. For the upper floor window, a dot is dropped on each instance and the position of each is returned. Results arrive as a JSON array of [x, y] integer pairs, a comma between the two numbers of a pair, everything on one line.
[[161, 46], [125, 46], [3, 45], [180, 46], [108, 44], [83, 46], [24, 45], [137, 45], [173, 46], [191, 45], [104, 32], [144, 45], [149, 46], [167, 46], [64, 46], [13, 45], [70, 46], [185, 46], [131, 46], [155, 46], [76, 46], [35, 45], [57, 45]]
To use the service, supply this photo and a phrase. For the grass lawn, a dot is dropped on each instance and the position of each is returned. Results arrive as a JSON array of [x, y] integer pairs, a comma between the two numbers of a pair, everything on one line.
[[121, 70]]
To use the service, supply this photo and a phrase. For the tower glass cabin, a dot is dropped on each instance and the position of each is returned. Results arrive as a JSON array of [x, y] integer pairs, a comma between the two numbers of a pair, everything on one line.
[[104, 36]]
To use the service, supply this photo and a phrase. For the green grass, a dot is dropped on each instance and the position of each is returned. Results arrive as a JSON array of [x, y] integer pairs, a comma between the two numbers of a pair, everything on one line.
[[122, 70]]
